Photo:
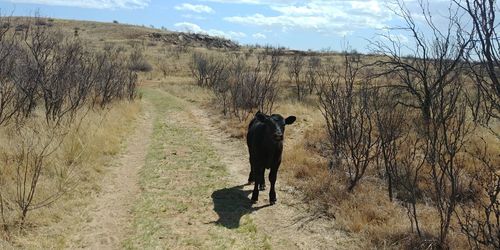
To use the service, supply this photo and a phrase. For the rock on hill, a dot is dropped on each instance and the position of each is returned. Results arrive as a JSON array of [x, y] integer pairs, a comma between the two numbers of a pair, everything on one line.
[[194, 40]]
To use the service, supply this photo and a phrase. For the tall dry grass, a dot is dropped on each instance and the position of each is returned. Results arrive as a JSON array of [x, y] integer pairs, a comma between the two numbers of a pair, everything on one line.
[[82, 152]]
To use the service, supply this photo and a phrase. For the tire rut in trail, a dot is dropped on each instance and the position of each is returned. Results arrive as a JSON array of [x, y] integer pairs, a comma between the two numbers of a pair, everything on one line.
[[109, 215], [288, 224]]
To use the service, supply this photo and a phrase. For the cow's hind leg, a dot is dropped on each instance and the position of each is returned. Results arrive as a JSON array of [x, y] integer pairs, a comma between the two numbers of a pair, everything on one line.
[[251, 178], [262, 185], [272, 178], [259, 179]]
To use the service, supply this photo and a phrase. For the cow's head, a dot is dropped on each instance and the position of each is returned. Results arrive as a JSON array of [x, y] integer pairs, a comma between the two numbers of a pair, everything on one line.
[[275, 124]]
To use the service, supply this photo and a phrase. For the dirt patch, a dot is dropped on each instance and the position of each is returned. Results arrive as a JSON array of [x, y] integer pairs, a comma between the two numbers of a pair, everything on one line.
[[108, 216]]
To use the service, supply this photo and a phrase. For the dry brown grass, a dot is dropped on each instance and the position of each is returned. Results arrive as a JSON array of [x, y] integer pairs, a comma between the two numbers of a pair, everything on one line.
[[366, 212], [88, 153]]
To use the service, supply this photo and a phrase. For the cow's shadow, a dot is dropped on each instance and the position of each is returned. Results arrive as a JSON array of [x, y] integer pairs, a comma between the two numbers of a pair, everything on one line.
[[231, 204]]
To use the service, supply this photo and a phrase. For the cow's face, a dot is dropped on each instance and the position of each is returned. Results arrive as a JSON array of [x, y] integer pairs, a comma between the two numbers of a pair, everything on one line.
[[275, 124]]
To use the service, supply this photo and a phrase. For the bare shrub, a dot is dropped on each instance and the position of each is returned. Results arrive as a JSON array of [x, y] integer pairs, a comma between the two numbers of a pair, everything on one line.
[[349, 118], [295, 65], [392, 128], [484, 57], [113, 80], [45, 74], [240, 87], [162, 64], [138, 61], [254, 87], [432, 65], [311, 74], [480, 220], [430, 82], [8, 93], [206, 69], [35, 144]]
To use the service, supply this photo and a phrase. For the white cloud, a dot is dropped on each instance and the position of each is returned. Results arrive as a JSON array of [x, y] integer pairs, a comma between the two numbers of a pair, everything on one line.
[[93, 4], [198, 8], [194, 28], [189, 27], [259, 36], [196, 17], [340, 17], [255, 1]]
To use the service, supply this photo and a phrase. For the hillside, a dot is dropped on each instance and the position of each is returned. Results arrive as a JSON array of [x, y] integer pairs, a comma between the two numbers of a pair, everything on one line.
[[102, 32]]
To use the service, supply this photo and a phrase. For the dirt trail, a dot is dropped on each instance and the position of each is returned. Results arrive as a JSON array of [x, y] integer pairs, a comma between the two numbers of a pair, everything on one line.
[[180, 184], [109, 215], [288, 223]]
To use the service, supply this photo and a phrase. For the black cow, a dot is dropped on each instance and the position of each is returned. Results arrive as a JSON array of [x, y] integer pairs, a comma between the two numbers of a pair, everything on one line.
[[265, 145]]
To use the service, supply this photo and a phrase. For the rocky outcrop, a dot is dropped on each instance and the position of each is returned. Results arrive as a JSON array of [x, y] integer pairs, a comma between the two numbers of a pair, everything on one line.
[[193, 40]]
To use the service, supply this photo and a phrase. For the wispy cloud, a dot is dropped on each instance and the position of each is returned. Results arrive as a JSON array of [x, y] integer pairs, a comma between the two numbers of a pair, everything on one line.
[[192, 27], [341, 17], [93, 4], [259, 36], [198, 8], [256, 1]]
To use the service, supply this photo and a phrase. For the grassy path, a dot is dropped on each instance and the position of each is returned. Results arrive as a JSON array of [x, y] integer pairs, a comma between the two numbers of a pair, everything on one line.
[[180, 184], [183, 187]]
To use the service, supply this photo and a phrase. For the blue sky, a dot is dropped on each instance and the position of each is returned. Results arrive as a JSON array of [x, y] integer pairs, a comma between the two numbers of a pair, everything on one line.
[[297, 24]]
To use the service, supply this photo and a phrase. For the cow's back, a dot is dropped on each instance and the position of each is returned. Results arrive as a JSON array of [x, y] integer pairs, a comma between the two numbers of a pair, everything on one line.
[[261, 147]]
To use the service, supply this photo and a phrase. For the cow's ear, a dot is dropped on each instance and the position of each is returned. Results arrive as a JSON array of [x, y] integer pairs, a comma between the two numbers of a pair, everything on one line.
[[290, 120], [260, 116]]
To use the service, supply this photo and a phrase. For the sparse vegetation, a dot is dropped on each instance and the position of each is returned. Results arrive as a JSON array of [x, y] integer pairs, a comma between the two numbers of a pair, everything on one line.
[[49, 85], [399, 149], [408, 121]]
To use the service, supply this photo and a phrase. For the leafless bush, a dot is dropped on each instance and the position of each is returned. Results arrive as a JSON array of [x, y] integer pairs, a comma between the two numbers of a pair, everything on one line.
[[206, 69], [311, 77], [8, 94], [112, 77], [43, 73], [221, 86], [433, 63], [254, 86], [430, 81], [349, 118], [54, 70], [138, 61], [481, 222], [484, 56], [447, 135], [295, 65], [30, 161], [392, 130], [162, 64], [240, 86]]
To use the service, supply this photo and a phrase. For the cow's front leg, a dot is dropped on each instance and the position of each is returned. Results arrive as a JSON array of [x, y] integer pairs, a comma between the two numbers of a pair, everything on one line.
[[272, 178], [255, 193], [259, 180]]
